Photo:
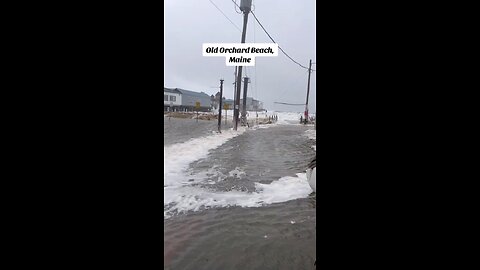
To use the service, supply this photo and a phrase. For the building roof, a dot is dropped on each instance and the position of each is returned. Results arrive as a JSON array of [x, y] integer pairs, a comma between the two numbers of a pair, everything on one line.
[[171, 90], [249, 99], [191, 93]]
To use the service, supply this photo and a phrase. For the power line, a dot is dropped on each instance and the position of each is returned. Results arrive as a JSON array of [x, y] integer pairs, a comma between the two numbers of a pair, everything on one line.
[[251, 11], [289, 104], [276, 42], [225, 16], [235, 2]]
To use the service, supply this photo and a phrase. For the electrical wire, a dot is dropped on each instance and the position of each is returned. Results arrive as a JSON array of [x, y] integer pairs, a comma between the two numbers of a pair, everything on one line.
[[272, 38], [226, 16], [235, 2], [278, 47], [289, 103], [277, 43]]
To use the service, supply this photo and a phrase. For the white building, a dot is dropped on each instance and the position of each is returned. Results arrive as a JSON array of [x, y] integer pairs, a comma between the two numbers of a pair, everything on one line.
[[178, 99], [171, 98]]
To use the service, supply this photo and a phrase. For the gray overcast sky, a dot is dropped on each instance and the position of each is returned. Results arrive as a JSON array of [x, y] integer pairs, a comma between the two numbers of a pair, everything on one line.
[[190, 23]]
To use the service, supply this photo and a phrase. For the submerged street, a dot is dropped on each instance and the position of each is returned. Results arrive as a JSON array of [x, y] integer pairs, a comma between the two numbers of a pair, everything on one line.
[[239, 199]]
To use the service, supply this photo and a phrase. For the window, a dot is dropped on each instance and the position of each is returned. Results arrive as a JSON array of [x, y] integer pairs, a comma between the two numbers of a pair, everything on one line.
[[165, 97], [173, 98]]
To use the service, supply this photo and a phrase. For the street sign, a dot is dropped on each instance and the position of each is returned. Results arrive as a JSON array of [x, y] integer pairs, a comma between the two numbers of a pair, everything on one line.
[[226, 106], [197, 105]]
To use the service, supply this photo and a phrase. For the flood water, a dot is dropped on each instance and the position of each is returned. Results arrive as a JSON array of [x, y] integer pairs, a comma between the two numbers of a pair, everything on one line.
[[238, 200]]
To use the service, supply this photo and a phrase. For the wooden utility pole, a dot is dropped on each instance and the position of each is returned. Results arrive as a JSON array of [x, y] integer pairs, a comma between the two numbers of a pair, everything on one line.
[[308, 91], [234, 93], [245, 6], [220, 107], [244, 105]]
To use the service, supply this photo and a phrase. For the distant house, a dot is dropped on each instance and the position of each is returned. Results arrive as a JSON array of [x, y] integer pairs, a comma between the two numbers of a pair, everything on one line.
[[171, 98], [229, 102], [215, 101], [225, 101], [177, 99], [252, 104]]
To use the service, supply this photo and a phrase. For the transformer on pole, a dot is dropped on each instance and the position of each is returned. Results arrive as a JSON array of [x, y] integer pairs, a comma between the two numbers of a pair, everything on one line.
[[246, 5]]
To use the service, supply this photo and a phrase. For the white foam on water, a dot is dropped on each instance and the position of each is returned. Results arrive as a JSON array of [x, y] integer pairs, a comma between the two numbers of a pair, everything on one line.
[[182, 195], [191, 198], [237, 173], [288, 118], [311, 134], [284, 118], [212, 173], [284, 189], [178, 156], [261, 126]]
